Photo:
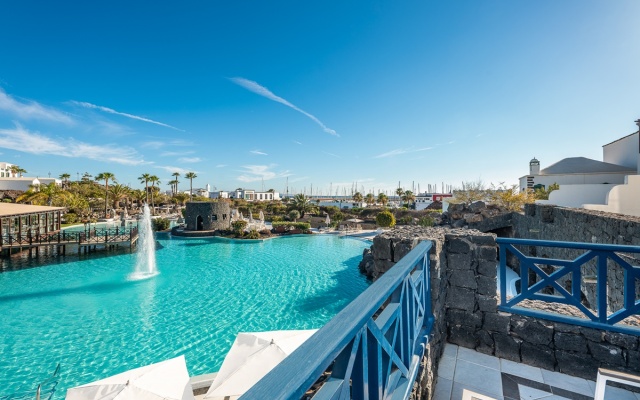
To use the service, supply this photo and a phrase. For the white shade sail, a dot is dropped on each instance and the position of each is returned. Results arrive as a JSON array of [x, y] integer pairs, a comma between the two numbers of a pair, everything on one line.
[[166, 380], [252, 356]]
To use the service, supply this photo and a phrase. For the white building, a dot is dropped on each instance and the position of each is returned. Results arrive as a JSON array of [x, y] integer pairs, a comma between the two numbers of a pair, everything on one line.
[[24, 184], [5, 170], [424, 200], [611, 185], [342, 203], [246, 194]]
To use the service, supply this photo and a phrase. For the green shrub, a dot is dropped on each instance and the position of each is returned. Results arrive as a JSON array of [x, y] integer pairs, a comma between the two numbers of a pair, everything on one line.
[[408, 220], [71, 218], [160, 224], [277, 218], [385, 219], [292, 225], [426, 221], [294, 214], [253, 234], [238, 226]]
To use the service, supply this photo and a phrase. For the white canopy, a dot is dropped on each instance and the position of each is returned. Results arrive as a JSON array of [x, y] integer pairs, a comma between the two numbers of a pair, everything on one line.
[[164, 380], [252, 356], [355, 220]]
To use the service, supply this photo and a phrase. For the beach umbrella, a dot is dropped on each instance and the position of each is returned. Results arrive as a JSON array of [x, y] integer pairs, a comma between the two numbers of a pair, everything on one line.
[[261, 216], [250, 217], [252, 356], [164, 380], [327, 220], [354, 220]]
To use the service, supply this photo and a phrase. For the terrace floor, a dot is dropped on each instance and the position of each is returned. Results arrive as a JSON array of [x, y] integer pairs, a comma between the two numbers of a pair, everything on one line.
[[469, 375]]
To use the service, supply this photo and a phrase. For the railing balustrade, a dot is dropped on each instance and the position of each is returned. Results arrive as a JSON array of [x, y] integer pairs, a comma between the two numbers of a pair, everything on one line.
[[373, 346], [602, 256], [91, 236]]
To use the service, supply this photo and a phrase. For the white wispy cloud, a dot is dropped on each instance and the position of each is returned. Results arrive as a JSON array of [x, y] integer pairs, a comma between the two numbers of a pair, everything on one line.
[[112, 111], [221, 165], [331, 154], [32, 110], [176, 153], [253, 173], [296, 142], [258, 152], [171, 169], [20, 139], [298, 179], [189, 159], [398, 152], [263, 91]]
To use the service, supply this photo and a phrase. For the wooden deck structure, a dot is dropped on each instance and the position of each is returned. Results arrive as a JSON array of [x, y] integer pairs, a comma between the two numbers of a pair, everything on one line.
[[25, 227]]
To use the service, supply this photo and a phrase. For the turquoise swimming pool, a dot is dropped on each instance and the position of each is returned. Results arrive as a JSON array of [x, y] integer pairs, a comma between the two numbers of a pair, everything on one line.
[[87, 316]]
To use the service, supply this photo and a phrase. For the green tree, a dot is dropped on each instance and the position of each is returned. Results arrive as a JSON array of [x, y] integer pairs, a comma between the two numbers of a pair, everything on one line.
[[357, 197], [409, 197], [153, 179], [294, 215], [303, 204], [16, 170], [541, 193], [190, 176], [105, 176], [175, 175], [385, 219], [369, 199], [144, 178], [44, 195], [510, 198], [383, 199], [139, 196], [399, 193], [181, 198], [118, 192], [65, 180], [470, 192]]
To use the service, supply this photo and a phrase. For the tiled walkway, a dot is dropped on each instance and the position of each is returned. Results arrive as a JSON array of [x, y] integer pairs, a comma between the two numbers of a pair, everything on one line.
[[469, 375]]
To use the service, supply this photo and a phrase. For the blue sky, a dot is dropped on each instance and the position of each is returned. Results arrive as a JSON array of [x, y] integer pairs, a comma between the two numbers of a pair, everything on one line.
[[320, 93]]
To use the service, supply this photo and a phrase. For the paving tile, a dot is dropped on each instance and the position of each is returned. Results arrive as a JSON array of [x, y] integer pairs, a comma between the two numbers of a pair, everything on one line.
[[529, 393], [567, 382], [450, 350], [522, 370], [443, 389], [478, 358], [459, 389], [478, 376], [447, 367]]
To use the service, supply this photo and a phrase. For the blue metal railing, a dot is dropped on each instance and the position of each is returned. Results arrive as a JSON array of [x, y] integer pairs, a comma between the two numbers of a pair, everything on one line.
[[601, 254], [373, 346]]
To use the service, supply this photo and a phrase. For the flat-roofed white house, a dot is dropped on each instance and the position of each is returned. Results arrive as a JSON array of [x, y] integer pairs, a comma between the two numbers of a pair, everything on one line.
[[246, 194], [5, 170], [23, 184], [611, 185]]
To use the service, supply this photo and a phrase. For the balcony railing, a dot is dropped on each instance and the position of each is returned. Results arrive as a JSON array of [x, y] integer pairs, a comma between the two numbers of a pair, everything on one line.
[[599, 257], [90, 236], [372, 348]]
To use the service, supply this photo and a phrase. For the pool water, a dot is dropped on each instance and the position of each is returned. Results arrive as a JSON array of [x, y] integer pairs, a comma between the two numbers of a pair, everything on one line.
[[87, 316]]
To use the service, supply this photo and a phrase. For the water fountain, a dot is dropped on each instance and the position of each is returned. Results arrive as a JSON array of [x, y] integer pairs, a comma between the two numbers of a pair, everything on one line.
[[146, 256]]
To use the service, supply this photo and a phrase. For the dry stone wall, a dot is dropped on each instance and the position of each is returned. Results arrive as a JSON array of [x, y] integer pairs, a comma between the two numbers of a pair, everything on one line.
[[465, 306]]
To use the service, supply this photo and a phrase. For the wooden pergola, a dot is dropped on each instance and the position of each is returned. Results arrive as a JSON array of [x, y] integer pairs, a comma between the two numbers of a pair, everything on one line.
[[22, 219]]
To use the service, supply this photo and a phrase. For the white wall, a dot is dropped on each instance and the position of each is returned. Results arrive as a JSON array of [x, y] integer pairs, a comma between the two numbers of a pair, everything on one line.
[[23, 183], [622, 199], [622, 152], [574, 179], [578, 195]]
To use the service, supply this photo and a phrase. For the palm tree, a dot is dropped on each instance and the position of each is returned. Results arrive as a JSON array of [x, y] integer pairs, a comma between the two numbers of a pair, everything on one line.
[[174, 186], [153, 179], [383, 199], [302, 203], [181, 198], [190, 176], [144, 178], [44, 195], [105, 176], [357, 197], [399, 192], [139, 196], [408, 196], [118, 192], [65, 180], [15, 170], [176, 175], [369, 199]]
